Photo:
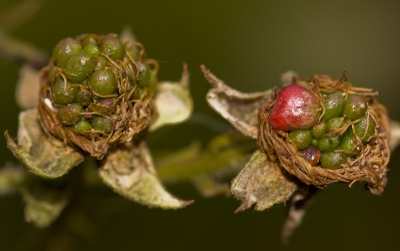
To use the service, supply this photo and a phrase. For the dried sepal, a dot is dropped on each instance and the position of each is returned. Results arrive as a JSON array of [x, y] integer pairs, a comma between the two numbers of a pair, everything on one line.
[[11, 177], [44, 156], [262, 183], [297, 206], [43, 206], [240, 109], [129, 170], [394, 135], [173, 101], [28, 86]]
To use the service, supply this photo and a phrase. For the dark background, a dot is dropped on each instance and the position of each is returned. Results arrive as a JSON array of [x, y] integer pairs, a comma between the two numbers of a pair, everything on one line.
[[248, 44]]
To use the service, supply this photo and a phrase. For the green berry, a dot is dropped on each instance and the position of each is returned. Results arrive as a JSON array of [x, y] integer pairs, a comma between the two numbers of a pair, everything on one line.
[[319, 130], [78, 67], [348, 144], [326, 144], [134, 53], [103, 82], [82, 126], [61, 95], [70, 114], [101, 63], [335, 123], [101, 124], [83, 98], [91, 49], [355, 107], [113, 47], [333, 103], [88, 40], [332, 160], [65, 49], [144, 76], [314, 142], [137, 94], [50, 75], [301, 138], [362, 131]]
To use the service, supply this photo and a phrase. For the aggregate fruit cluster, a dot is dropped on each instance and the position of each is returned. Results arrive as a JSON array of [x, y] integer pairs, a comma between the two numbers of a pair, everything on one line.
[[325, 130], [97, 91]]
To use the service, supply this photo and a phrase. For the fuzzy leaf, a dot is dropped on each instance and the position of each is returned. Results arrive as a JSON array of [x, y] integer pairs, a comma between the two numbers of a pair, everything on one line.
[[43, 206], [173, 101], [240, 109], [262, 184], [43, 156], [11, 177], [130, 172]]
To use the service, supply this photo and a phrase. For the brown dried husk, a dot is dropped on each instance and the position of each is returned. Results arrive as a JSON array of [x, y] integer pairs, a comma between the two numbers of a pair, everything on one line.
[[368, 166], [130, 118]]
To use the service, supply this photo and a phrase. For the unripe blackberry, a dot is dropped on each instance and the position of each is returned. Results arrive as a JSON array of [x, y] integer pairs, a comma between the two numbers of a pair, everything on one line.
[[95, 93]]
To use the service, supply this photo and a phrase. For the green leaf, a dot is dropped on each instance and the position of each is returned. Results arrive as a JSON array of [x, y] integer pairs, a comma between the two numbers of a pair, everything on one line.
[[173, 101], [262, 184], [130, 172], [45, 157]]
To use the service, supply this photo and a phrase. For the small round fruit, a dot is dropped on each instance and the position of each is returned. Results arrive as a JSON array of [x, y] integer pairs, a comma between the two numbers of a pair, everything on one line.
[[101, 124], [83, 98], [101, 63], [319, 130], [333, 103], [70, 114], [107, 105], [311, 154], [78, 67], [89, 39], [50, 75], [361, 129], [91, 49], [349, 145], [103, 82], [82, 126], [332, 160], [335, 123], [355, 107], [113, 47], [301, 138], [326, 144], [63, 96], [295, 108], [65, 49], [144, 76]]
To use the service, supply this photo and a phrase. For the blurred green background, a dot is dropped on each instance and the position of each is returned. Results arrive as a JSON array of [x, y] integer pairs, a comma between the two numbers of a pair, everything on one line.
[[248, 44]]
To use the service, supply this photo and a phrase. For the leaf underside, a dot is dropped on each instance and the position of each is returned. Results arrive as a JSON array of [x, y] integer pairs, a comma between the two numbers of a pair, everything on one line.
[[130, 172], [262, 184], [43, 156]]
